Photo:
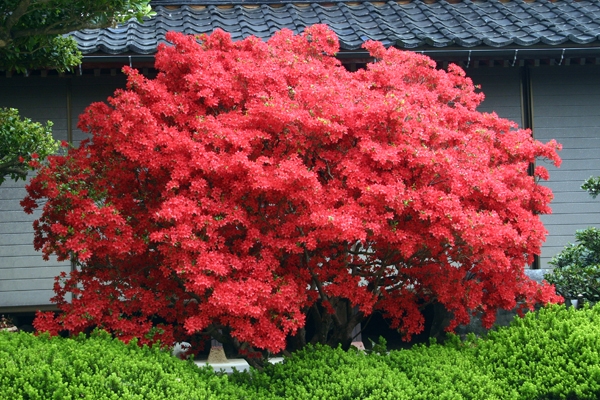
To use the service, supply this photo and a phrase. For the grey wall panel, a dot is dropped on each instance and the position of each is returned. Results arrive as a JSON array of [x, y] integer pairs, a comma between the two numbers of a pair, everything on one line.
[[10, 204], [501, 87], [9, 274], [568, 207], [573, 132], [14, 227], [34, 259], [573, 174], [560, 241], [566, 231], [16, 238], [15, 216], [25, 278], [17, 250], [582, 141], [565, 186], [23, 285], [86, 90], [41, 99], [567, 108], [10, 192], [25, 298]]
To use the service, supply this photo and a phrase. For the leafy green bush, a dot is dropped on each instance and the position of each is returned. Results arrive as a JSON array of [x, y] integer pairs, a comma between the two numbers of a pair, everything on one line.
[[549, 354], [23, 143], [322, 372], [424, 372], [100, 368], [592, 186], [577, 268], [448, 371]]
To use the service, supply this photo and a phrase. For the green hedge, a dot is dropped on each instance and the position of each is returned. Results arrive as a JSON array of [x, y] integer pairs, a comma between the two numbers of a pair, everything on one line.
[[100, 368], [434, 372], [549, 354]]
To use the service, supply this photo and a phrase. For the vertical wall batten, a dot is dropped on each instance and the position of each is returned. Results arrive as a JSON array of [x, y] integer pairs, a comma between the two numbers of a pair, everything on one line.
[[69, 104], [69, 93], [527, 123]]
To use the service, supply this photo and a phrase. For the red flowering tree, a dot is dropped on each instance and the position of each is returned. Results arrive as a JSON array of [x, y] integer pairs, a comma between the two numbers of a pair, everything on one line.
[[251, 187]]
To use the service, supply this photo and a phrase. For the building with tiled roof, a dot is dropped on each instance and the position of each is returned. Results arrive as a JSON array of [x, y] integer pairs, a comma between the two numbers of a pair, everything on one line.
[[455, 29], [537, 61]]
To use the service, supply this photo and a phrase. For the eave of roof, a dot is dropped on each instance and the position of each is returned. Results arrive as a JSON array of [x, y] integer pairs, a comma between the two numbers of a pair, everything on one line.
[[440, 27]]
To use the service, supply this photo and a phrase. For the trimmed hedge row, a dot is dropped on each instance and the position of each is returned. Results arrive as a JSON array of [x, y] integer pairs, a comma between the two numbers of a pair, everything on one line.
[[550, 354], [434, 372], [100, 368]]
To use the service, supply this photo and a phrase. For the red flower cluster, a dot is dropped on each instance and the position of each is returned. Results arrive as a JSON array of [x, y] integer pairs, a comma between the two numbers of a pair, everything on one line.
[[251, 184]]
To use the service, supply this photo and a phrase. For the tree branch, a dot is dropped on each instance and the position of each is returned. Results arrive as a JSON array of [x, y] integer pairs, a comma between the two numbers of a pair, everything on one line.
[[213, 331], [22, 172], [320, 289], [315, 279], [14, 17], [363, 327]]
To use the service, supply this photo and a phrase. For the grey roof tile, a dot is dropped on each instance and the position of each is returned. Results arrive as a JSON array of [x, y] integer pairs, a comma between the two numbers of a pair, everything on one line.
[[582, 38], [527, 40], [407, 25]]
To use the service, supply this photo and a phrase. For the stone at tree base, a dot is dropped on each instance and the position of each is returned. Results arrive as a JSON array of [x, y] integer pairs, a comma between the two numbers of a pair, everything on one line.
[[216, 355]]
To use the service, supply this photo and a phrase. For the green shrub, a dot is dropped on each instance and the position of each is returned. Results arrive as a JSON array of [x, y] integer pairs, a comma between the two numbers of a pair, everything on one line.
[[577, 268], [592, 186], [22, 141], [549, 354], [100, 368], [322, 372], [448, 371], [424, 372]]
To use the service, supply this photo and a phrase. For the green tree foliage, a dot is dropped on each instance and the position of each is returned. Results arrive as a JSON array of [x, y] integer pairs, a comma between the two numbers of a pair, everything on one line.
[[592, 185], [30, 30], [22, 144]]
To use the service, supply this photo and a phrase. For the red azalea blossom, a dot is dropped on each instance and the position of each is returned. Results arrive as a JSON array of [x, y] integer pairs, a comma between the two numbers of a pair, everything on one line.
[[252, 187]]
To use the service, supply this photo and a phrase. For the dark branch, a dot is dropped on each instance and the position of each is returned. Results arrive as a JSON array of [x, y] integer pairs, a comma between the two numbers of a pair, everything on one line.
[[17, 13]]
